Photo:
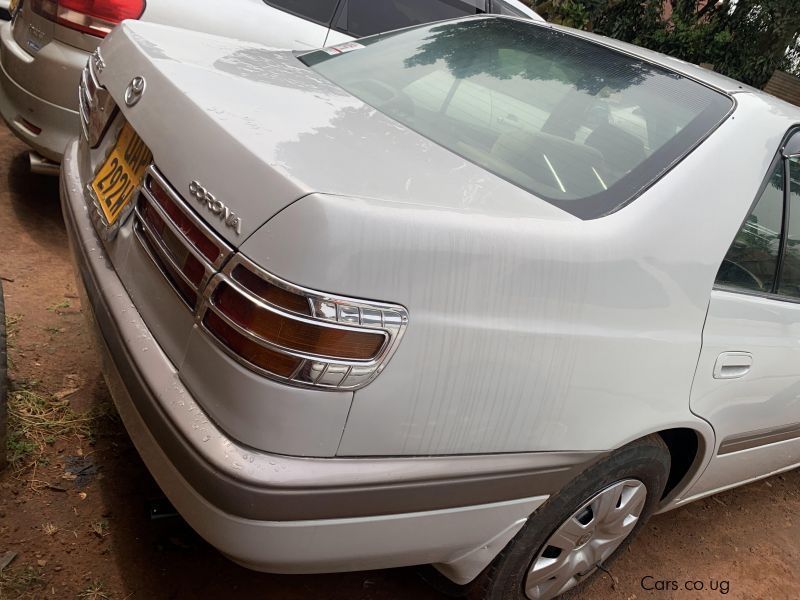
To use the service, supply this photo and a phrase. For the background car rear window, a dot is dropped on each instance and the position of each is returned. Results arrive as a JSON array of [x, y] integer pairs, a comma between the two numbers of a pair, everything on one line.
[[580, 125], [319, 11], [367, 17]]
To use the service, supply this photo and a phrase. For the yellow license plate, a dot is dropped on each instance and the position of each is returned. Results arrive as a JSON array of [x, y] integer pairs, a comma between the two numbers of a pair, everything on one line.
[[117, 180]]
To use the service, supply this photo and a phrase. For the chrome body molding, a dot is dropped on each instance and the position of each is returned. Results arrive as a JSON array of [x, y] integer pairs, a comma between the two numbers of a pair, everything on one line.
[[762, 437]]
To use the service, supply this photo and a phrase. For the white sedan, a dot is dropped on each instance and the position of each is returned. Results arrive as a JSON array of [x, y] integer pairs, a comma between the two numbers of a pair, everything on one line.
[[485, 294], [47, 44]]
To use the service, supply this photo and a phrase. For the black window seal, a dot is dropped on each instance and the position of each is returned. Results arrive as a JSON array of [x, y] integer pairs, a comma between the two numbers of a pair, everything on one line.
[[784, 226], [780, 156], [277, 6]]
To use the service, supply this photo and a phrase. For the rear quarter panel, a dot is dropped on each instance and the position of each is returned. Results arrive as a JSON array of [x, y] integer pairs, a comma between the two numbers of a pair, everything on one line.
[[533, 334]]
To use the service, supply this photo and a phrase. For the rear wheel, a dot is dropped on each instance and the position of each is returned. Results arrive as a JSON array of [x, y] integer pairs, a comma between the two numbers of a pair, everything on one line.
[[580, 529], [3, 383]]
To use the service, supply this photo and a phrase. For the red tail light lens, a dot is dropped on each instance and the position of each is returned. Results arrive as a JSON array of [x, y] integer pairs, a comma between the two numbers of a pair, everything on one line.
[[200, 240], [185, 250], [95, 17]]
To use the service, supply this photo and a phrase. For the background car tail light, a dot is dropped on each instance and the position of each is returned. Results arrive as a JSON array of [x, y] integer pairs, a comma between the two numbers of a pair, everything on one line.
[[97, 107], [95, 17], [297, 335]]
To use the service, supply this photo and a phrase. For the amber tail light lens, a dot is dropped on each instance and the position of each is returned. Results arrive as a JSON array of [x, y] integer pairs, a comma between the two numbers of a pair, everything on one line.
[[318, 339], [297, 335], [275, 362]]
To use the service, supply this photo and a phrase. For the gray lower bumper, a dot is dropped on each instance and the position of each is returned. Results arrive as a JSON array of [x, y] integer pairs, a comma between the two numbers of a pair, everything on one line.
[[286, 514]]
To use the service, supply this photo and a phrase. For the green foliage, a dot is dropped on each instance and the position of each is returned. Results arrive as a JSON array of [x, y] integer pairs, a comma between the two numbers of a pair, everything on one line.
[[744, 39]]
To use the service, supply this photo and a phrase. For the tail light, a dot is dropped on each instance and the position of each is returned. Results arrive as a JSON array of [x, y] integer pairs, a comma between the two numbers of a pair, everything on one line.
[[97, 107], [275, 328], [296, 335], [95, 17], [187, 252]]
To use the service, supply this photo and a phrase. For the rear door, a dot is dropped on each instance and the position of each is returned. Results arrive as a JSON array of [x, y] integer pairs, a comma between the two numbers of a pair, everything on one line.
[[747, 383]]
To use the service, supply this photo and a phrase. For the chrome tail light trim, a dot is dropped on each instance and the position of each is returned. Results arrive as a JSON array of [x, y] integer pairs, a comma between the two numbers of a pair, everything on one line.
[[158, 251], [327, 311]]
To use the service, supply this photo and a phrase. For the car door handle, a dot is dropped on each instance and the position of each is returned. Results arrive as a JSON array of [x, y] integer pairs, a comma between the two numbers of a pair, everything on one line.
[[732, 365]]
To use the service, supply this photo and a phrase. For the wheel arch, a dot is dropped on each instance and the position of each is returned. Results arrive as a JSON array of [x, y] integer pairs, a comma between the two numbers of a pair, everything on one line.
[[690, 451]]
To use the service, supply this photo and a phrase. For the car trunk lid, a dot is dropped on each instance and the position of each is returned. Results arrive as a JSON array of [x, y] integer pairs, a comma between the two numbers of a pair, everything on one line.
[[255, 130]]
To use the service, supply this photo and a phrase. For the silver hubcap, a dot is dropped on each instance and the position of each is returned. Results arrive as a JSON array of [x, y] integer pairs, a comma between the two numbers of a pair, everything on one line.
[[586, 539]]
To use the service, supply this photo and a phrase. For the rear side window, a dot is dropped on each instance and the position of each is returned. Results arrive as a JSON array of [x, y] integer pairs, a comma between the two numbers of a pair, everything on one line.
[[319, 11], [765, 255], [752, 261], [575, 123], [367, 17]]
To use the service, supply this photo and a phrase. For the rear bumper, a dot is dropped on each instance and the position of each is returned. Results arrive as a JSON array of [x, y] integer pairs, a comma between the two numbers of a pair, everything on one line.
[[58, 64], [286, 514]]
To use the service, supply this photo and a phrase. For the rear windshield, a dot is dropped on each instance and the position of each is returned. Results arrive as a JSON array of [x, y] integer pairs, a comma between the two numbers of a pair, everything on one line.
[[580, 125]]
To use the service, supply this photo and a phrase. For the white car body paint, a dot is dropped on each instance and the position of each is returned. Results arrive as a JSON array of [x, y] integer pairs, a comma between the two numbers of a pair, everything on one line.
[[531, 331]]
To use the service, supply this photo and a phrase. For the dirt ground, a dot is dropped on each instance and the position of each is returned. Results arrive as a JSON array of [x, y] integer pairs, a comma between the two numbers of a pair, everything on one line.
[[74, 508]]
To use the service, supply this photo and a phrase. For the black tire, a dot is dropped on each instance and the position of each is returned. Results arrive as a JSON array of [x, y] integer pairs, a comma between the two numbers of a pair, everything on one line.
[[3, 383], [646, 460]]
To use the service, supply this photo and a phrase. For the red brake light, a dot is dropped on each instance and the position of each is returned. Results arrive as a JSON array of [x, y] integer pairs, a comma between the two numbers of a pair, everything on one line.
[[95, 17]]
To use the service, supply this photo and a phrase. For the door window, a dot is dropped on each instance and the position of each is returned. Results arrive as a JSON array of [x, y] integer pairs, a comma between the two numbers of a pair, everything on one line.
[[752, 261]]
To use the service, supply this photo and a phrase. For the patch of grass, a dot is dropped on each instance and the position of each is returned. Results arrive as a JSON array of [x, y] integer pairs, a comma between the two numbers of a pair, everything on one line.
[[60, 306], [12, 328], [14, 583], [36, 421], [99, 528], [49, 529], [94, 591]]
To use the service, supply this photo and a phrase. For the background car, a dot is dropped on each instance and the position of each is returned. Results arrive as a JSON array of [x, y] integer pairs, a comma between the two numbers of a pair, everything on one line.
[[459, 294], [44, 49]]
